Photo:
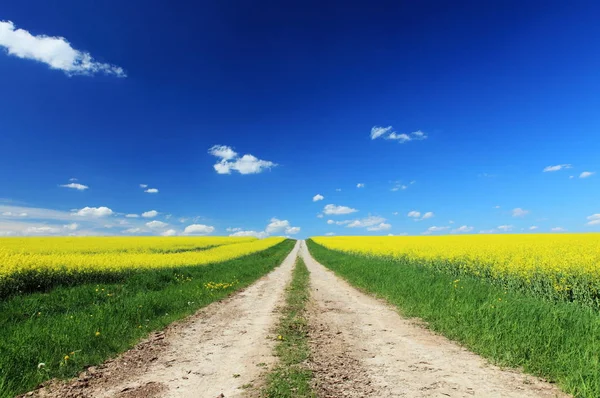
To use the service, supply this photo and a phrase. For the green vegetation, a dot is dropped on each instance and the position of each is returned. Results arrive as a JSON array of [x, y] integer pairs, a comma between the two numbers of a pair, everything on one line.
[[291, 378], [69, 328], [559, 341]]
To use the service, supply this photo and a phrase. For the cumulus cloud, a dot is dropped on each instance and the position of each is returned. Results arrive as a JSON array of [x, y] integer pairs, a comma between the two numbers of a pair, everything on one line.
[[389, 134], [133, 231], [556, 167], [151, 190], [378, 131], [255, 234], [73, 185], [71, 227], [594, 219], [320, 215], [143, 185], [380, 227], [150, 214], [101, 211], [487, 231], [366, 222], [558, 229], [337, 210], [518, 212], [360, 185], [292, 230], [398, 186], [437, 229], [462, 229], [414, 214], [169, 232], [230, 161], [587, 174], [318, 197], [427, 215], [505, 228], [198, 229], [54, 51], [233, 229], [131, 215], [45, 230], [156, 224], [330, 234], [533, 227]]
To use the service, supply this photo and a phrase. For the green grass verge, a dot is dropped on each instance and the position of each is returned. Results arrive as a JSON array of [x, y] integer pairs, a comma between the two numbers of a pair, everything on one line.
[[90, 323], [291, 378], [559, 341]]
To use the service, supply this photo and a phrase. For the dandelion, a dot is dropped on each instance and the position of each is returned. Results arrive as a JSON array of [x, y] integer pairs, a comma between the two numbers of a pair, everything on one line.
[[97, 334], [66, 357]]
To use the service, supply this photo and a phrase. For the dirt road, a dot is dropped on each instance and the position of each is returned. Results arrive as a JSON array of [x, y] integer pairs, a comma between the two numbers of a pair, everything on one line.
[[222, 348], [360, 347], [363, 348]]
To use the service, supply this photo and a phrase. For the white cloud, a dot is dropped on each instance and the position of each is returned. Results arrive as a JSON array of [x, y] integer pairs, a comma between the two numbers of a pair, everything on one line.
[[133, 231], [360, 185], [223, 151], [558, 229], [143, 185], [45, 230], [395, 213], [101, 211], [259, 235], [131, 215], [414, 214], [557, 167], [74, 185], [320, 215], [169, 232], [505, 228], [151, 190], [533, 227], [150, 214], [437, 229], [54, 51], [277, 225], [292, 230], [338, 189], [381, 227], [11, 214], [389, 134], [487, 231], [330, 234], [318, 197], [594, 219], [377, 131], [462, 229], [402, 138], [427, 215], [72, 179], [233, 229], [587, 174], [337, 210], [571, 177], [198, 229], [451, 222], [518, 212], [229, 161], [496, 207], [156, 224], [398, 187], [368, 222], [71, 227], [330, 222]]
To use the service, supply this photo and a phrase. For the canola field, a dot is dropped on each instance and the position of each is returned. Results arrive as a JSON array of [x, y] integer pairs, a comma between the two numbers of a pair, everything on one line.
[[28, 264], [562, 267]]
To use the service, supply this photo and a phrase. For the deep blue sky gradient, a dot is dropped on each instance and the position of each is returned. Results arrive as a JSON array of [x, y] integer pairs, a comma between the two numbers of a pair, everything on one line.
[[501, 88]]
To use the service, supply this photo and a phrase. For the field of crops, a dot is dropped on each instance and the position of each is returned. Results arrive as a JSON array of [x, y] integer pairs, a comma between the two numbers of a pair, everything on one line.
[[68, 303], [555, 266], [28, 264]]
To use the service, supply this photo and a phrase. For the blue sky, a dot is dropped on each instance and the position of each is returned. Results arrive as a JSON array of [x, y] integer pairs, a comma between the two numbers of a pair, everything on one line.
[[239, 113]]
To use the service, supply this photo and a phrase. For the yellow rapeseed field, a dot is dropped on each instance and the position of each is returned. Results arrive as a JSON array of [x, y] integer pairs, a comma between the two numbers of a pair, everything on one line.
[[28, 259], [564, 266]]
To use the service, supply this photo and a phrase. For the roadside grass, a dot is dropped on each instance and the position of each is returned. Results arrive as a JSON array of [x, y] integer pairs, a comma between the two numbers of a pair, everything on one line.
[[558, 341], [69, 328], [291, 378]]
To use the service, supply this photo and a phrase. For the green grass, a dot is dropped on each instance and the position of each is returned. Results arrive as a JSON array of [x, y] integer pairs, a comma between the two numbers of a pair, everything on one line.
[[559, 341], [291, 378], [93, 322]]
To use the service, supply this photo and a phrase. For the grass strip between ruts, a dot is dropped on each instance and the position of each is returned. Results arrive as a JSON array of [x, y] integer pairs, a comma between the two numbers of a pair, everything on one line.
[[291, 377], [69, 328], [559, 341]]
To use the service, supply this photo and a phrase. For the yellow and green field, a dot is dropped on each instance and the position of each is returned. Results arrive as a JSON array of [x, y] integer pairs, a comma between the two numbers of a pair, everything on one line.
[[557, 266]]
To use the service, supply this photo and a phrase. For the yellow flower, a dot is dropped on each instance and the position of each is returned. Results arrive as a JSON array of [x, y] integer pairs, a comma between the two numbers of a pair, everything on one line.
[[66, 357], [97, 334]]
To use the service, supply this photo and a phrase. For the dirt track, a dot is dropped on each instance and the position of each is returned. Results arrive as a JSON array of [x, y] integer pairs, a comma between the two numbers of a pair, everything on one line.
[[377, 353], [360, 346]]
